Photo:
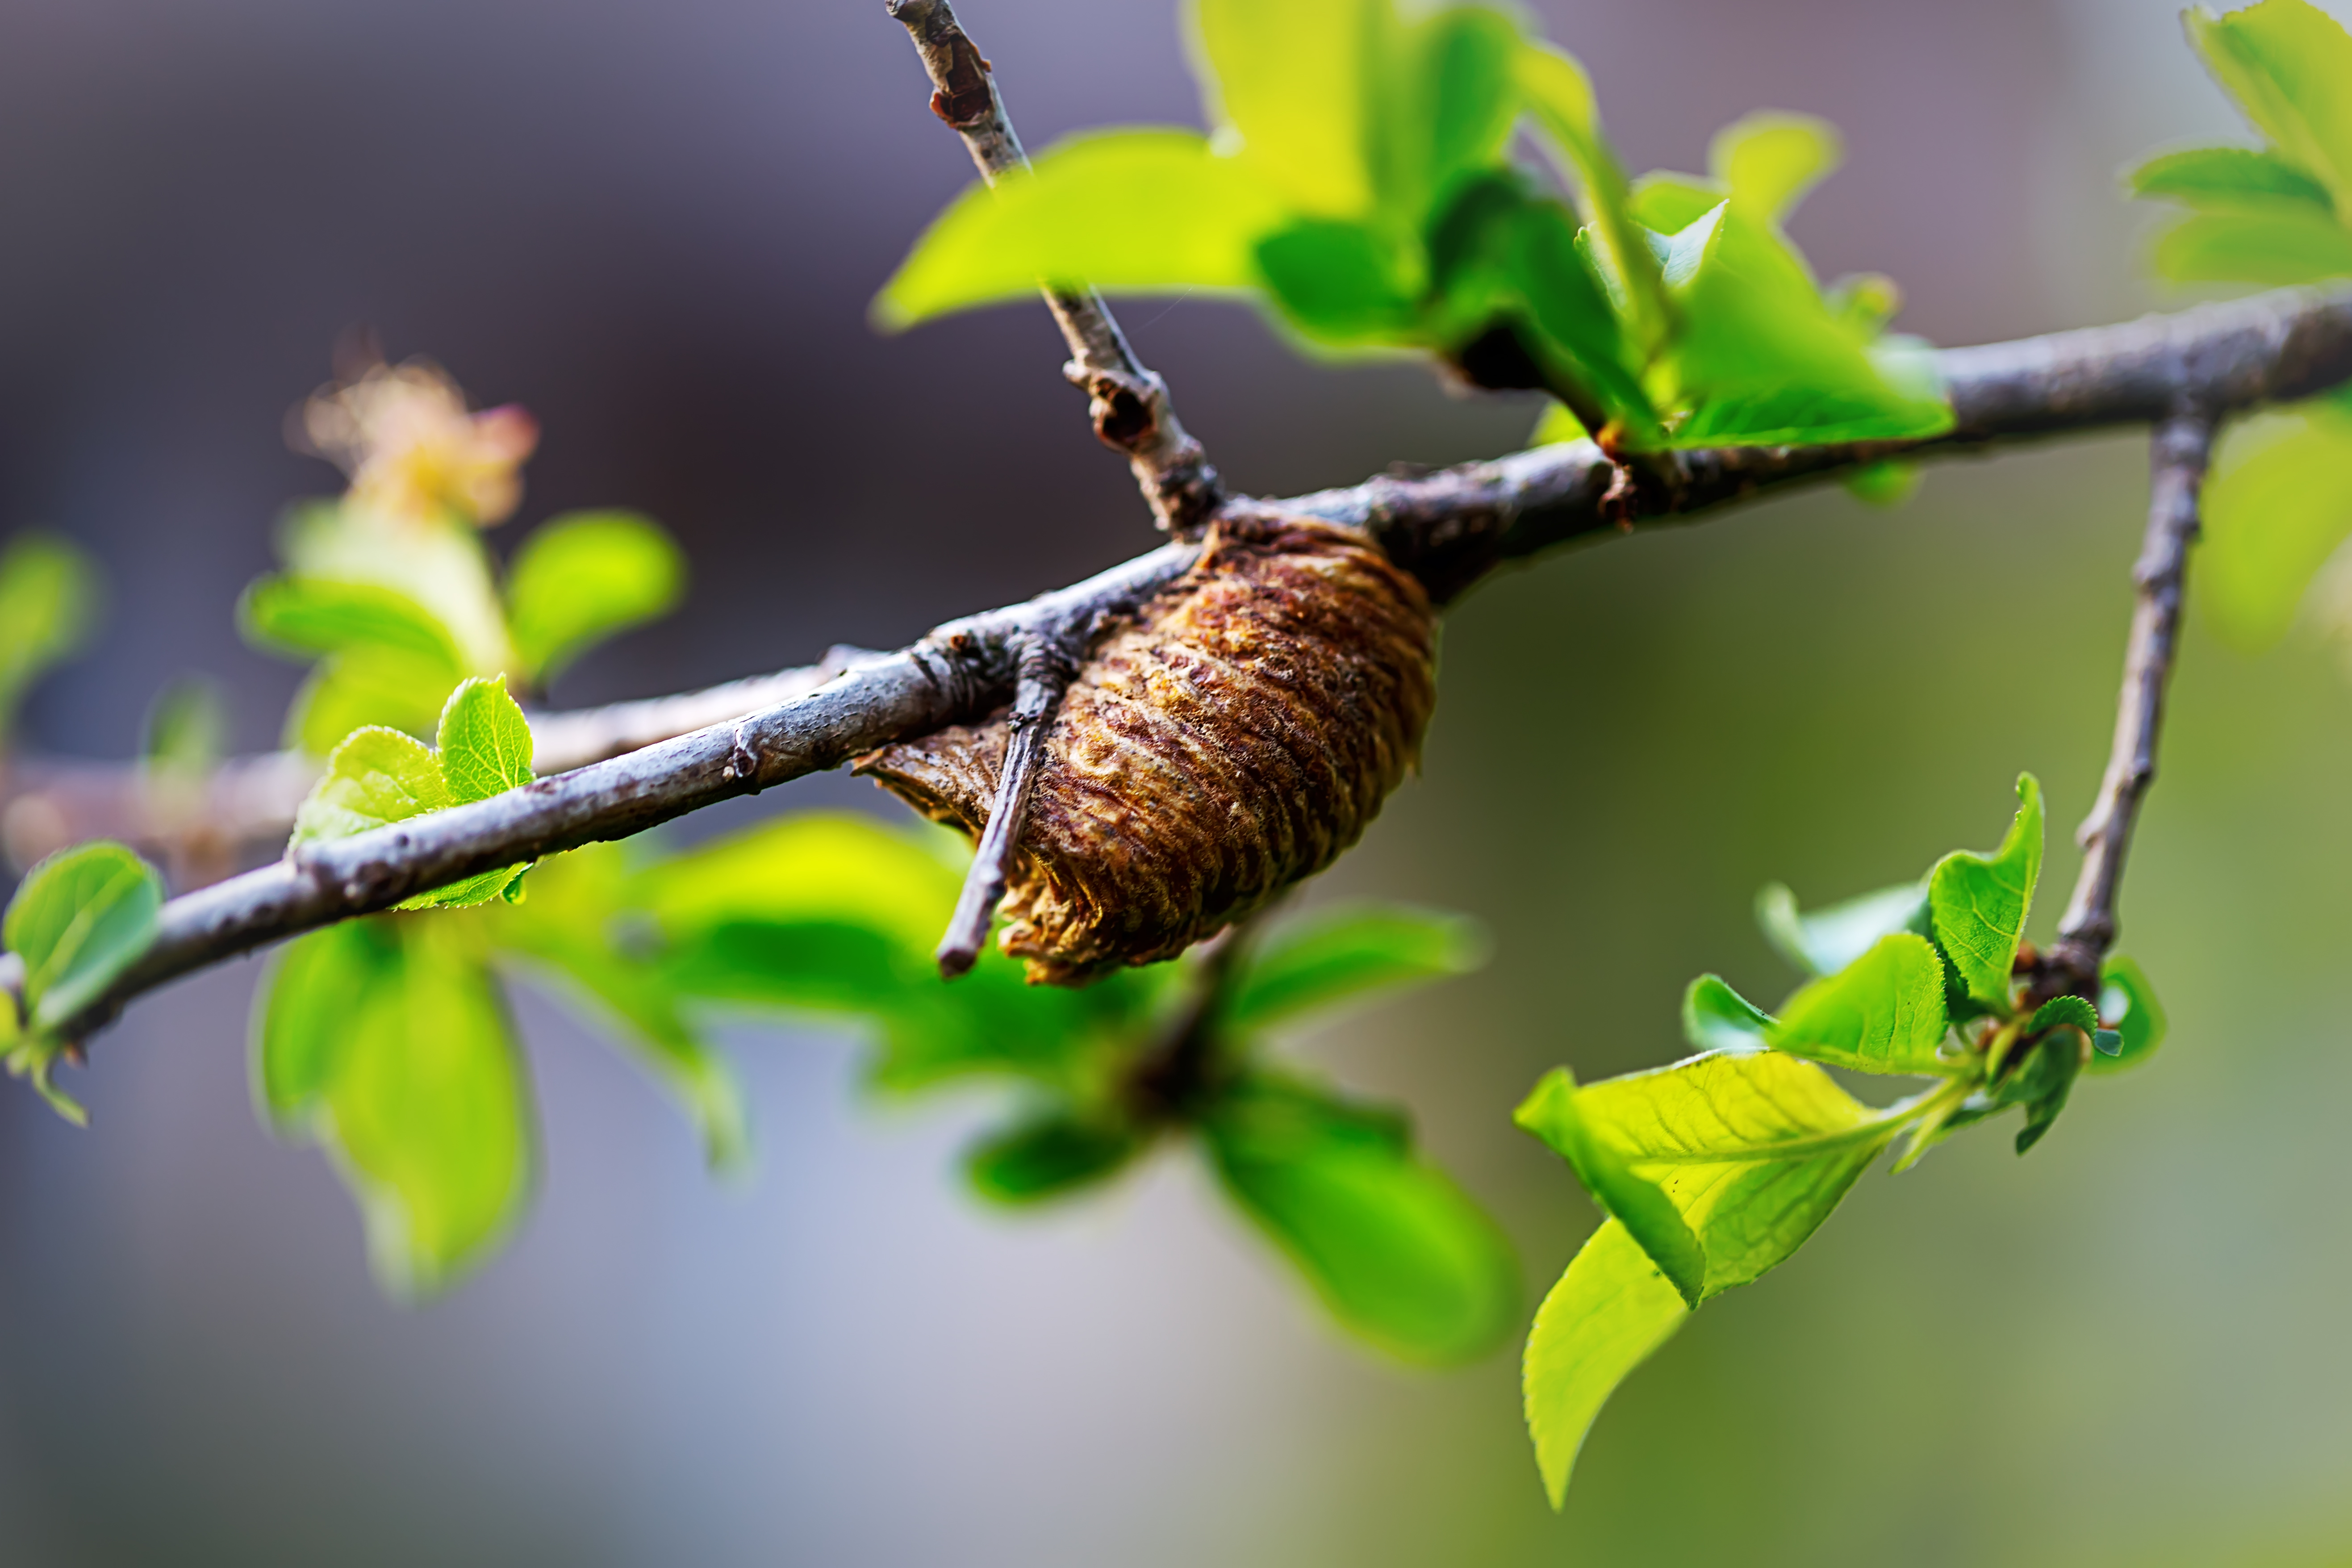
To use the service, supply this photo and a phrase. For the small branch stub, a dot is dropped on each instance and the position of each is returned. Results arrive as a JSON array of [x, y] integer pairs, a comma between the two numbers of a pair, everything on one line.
[[1047, 665]]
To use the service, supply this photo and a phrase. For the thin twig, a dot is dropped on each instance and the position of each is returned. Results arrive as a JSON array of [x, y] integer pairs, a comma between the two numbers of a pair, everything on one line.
[[1449, 527], [2179, 450], [1130, 404], [1047, 664]]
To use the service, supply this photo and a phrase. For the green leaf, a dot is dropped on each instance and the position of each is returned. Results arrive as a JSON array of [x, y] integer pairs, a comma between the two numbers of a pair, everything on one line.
[[1339, 954], [2228, 179], [1890, 481], [1397, 1252], [2070, 1011], [78, 920], [1295, 87], [385, 1041], [1979, 902], [2278, 505], [362, 689], [571, 936], [583, 576], [2287, 64], [2128, 1004], [1761, 361], [2289, 246], [1882, 1013], [1752, 1148], [1452, 108], [1048, 1157], [1340, 282], [1827, 940], [1717, 1018], [1643, 1207], [308, 616], [485, 742], [2041, 1082], [48, 597], [1127, 211], [1558, 94], [1767, 161], [1608, 1312], [1669, 203], [375, 777]]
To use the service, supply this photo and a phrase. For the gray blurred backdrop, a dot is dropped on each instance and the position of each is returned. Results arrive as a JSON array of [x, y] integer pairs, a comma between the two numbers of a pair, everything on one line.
[[657, 226]]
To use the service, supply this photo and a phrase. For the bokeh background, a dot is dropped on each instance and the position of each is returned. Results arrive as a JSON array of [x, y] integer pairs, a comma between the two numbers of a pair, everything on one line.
[[657, 226]]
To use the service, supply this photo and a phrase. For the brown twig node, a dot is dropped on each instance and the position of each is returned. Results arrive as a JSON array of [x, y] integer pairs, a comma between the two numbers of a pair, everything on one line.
[[1235, 737], [1129, 403]]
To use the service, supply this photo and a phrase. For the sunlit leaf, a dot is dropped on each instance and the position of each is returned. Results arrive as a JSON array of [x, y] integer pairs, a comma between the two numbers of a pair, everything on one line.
[[1346, 952], [2279, 503], [2129, 1007], [1452, 105], [2229, 179], [1603, 1164], [1558, 94], [49, 596], [1824, 941], [78, 921], [583, 576], [1979, 902], [395, 1053], [1127, 211], [1340, 281], [1882, 1013], [1293, 86], [1767, 161], [2291, 244], [1670, 203], [1608, 1312], [375, 777], [1394, 1249], [2287, 64], [485, 742]]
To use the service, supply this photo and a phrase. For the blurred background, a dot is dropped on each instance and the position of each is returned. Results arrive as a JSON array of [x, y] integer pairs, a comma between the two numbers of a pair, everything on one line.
[[657, 228]]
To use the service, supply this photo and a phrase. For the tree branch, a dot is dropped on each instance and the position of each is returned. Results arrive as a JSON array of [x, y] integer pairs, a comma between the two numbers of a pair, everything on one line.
[[1131, 407], [2183, 444], [1449, 527]]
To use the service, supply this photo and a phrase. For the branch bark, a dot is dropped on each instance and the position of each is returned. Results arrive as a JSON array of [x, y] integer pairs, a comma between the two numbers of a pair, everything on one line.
[[1133, 413], [1449, 527], [2182, 446]]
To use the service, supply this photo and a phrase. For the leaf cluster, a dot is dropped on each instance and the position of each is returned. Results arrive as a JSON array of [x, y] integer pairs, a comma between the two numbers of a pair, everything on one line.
[[1716, 1169], [2280, 502], [1359, 181]]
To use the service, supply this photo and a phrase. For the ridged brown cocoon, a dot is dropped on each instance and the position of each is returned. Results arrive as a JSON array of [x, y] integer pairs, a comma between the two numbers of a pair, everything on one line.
[[1235, 736]]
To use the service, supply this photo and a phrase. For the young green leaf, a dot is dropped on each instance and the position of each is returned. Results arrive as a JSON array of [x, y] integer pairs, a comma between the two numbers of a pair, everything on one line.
[[583, 577], [310, 616], [1559, 95], [1127, 211], [2229, 179], [1295, 87], [376, 776], [2278, 248], [1341, 282], [1753, 1148], [1047, 1157], [1453, 107], [2129, 1007], [1397, 1251], [2277, 507], [1717, 1018], [485, 742], [1338, 954], [49, 596], [1827, 940], [1767, 162], [1608, 1311], [386, 1042], [1888, 482], [1643, 1207], [78, 920], [1882, 1013], [1979, 902], [2286, 63], [187, 728]]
